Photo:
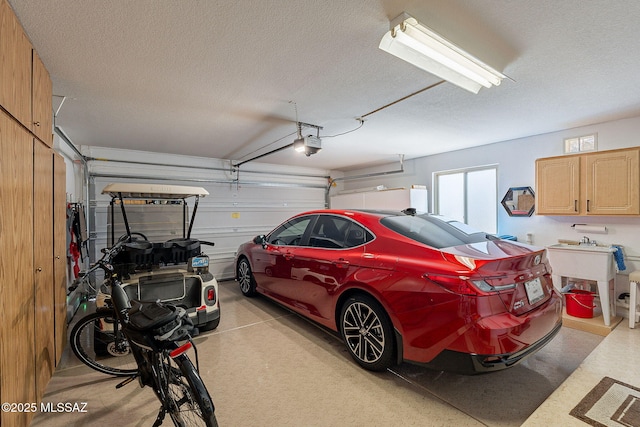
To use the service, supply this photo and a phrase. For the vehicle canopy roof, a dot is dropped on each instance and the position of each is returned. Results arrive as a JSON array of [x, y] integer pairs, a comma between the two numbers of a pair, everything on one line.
[[153, 191]]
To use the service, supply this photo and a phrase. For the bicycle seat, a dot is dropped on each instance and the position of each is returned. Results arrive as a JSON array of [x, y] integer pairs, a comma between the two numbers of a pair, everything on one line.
[[145, 316], [165, 322]]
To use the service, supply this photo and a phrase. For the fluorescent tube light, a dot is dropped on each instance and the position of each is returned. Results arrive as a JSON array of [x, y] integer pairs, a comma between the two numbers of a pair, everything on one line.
[[413, 42]]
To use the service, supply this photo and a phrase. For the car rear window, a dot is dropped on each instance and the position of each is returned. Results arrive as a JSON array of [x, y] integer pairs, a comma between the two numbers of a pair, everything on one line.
[[435, 231]]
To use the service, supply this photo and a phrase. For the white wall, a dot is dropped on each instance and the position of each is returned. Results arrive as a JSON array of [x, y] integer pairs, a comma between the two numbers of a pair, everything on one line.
[[516, 168], [74, 168]]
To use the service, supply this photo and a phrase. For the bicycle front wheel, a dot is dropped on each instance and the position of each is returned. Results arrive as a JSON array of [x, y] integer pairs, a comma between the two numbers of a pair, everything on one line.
[[188, 401], [98, 341]]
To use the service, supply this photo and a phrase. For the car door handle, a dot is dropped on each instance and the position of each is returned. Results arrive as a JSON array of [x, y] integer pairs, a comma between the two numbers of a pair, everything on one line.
[[341, 263], [288, 256]]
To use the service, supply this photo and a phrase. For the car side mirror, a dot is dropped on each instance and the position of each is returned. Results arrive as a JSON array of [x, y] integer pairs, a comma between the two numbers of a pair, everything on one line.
[[260, 240]]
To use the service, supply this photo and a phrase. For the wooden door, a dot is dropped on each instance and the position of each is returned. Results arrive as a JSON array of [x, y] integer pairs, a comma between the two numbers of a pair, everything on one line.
[[17, 357], [43, 263], [613, 183], [558, 186], [15, 66], [60, 254], [41, 101]]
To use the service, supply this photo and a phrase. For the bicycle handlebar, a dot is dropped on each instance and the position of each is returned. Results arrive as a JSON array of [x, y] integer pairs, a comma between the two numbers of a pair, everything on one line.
[[108, 254]]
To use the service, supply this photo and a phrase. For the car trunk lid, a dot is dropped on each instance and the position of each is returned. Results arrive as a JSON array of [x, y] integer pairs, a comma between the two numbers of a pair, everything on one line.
[[518, 273]]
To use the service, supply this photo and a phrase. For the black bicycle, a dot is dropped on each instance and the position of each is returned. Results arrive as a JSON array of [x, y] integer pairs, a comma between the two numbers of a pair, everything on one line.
[[147, 341]]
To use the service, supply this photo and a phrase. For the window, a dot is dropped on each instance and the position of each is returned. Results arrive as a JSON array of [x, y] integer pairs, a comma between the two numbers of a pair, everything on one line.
[[468, 195], [290, 233], [334, 232], [435, 231]]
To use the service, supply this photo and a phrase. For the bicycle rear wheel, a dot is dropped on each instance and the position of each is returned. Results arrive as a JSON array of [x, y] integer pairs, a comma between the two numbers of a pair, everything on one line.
[[187, 398], [98, 341]]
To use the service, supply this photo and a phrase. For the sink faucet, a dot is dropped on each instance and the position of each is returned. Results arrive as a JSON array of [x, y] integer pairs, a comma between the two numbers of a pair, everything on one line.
[[586, 241]]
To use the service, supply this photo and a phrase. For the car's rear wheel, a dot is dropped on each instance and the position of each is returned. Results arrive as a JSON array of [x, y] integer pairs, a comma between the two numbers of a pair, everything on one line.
[[367, 332], [245, 278]]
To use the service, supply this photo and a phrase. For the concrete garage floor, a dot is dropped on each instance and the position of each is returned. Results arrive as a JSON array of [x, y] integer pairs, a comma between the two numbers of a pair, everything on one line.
[[265, 366]]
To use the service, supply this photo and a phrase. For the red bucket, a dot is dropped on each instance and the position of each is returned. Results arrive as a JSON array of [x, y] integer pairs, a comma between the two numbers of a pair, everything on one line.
[[580, 303]]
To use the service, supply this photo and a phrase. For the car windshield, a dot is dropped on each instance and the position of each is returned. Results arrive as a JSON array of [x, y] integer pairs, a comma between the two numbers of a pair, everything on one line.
[[433, 230]]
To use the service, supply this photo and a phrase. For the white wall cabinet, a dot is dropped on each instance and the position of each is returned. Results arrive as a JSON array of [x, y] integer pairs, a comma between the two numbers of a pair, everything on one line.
[[391, 199]]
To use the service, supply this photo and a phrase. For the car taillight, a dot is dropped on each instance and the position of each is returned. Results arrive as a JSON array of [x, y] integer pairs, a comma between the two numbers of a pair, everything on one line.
[[484, 286], [455, 284], [464, 285], [211, 294]]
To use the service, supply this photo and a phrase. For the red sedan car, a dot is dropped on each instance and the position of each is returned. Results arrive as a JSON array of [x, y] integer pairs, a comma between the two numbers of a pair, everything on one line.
[[398, 286]]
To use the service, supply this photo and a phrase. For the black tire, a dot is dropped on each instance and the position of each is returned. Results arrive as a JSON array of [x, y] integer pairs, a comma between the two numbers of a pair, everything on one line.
[[245, 278], [188, 402], [97, 340], [367, 332], [209, 326]]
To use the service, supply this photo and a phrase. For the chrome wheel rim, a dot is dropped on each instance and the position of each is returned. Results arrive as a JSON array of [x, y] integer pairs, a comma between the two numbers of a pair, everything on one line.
[[244, 276], [363, 332]]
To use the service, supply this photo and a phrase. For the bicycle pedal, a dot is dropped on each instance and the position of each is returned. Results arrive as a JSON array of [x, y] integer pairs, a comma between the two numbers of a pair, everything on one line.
[[127, 381]]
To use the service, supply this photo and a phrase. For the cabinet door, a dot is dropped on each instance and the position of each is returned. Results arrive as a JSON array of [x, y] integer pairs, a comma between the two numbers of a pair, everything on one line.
[[60, 253], [15, 66], [558, 186], [613, 183], [17, 356], [41, 100], [43, 263]]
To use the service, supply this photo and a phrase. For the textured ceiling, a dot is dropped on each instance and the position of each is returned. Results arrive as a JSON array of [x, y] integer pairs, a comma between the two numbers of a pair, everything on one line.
[[217, 78]]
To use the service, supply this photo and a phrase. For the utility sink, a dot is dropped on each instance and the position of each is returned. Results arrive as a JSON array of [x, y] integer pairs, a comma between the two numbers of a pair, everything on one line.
[[593, 248], [586, 262], [582, 261]]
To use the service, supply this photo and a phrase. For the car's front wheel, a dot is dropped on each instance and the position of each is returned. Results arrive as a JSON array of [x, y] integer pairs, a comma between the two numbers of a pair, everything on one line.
[[367, 332], [245, 278]]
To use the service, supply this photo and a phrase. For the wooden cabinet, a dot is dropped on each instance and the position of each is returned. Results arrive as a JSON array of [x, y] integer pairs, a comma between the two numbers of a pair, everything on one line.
[[59, 254], [17, 354], [15, 66], [613, 183], [558, 186], [25, 84], [31, 283], [602, 183], [43, 264], [41, 123]]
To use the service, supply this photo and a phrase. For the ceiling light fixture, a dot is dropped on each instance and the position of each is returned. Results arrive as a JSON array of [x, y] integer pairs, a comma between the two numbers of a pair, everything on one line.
[[419, 45], [308, 144]]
